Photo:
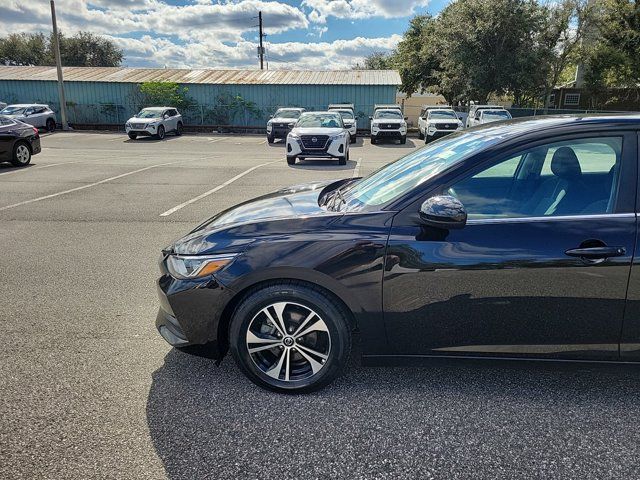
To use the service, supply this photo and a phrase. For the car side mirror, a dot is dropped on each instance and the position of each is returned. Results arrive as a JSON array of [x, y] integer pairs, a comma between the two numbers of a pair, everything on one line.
[[443, 211], [270, 116], [406, 118], [370, 118], [165, 116]]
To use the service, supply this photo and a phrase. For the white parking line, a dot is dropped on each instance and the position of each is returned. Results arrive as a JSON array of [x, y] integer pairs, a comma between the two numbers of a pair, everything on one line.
[[214, 140], [262, 142], [356, 169], [64, 192], [35, 168], [213, 190]]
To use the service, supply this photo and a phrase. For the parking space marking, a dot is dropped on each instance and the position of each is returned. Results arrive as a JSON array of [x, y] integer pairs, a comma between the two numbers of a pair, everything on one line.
[[35, 168], [83, 187], [356, 169], [262, 142], [214, 140], [213, 190]]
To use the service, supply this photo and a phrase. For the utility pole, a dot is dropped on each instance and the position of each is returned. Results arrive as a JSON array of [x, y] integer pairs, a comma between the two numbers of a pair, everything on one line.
[[56, 48], [260, 48]]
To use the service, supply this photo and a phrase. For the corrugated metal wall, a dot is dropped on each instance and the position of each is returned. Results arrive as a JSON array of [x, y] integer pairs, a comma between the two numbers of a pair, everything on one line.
[[113, 103]]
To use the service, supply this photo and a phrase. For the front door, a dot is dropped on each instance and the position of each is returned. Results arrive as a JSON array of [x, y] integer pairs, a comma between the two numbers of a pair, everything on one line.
[[540, 269]]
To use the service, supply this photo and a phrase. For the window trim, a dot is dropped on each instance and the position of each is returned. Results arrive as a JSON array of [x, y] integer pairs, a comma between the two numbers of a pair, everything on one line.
[[595, 216]]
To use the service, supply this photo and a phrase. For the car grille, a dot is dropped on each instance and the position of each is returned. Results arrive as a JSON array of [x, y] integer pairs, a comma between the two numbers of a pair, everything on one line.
[[314, 141], [280, 125], [390, 126], [138, 126], [447, 126]]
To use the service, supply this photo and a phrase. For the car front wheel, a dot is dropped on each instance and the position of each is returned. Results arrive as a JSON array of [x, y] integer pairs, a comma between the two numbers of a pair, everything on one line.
[[160, 133], [133, 136], [290, 337], [291, 160], [21, 155]]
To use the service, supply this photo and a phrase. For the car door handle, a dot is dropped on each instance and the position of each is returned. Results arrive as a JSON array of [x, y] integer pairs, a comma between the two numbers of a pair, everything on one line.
[[594, 253]]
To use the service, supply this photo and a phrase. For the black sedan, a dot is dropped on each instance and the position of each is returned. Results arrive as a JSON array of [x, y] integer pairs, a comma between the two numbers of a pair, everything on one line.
[[18, 141], [512, 240]]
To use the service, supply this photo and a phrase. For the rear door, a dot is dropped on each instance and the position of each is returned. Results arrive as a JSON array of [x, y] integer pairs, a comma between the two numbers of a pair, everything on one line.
[[6, 138]]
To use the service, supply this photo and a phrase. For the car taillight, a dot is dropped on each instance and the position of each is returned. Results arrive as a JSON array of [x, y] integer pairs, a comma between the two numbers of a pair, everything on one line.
[[35, 130]]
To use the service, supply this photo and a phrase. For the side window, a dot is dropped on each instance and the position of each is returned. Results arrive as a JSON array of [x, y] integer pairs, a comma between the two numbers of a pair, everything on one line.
[[576, 177]]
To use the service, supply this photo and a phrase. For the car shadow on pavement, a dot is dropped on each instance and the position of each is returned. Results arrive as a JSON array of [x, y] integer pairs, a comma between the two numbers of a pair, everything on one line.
[[450, 419], [323, 164], [150, 139], [396, 144]]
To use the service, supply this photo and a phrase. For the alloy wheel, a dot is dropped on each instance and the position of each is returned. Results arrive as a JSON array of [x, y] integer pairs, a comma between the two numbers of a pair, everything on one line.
[[23, 154], [288, 341]]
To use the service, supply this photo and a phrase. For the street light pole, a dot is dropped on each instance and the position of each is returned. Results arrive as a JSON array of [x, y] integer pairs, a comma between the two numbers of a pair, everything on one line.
[[56, 49]]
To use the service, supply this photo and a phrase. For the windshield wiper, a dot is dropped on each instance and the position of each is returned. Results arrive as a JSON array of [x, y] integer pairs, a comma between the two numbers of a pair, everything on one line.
[[337, 195]]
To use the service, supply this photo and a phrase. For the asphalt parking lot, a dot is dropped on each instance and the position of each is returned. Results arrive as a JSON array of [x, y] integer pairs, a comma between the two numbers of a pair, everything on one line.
[[90, 390]]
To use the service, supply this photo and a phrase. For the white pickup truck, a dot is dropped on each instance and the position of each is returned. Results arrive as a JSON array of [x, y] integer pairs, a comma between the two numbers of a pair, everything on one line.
[[347, 112], [436, 122]]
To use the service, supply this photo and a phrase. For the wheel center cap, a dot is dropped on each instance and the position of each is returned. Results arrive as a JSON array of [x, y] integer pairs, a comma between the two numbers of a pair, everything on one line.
[[288, 341]]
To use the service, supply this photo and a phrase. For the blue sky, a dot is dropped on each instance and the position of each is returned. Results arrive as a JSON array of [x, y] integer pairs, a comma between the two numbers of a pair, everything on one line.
[[307, 34]]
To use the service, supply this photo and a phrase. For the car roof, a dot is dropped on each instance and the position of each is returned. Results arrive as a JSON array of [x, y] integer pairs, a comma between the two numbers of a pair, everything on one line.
[[25, 105], [290, 108], [158, 108], [332, 112], [525, 125]]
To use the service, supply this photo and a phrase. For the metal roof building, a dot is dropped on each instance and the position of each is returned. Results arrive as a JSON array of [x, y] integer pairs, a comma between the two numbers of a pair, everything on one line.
[[111, 94]]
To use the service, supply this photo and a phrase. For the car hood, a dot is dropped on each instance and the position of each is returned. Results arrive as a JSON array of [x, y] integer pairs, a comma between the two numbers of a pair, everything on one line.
[[444, 122], [382, 120], [18, 116], [316, 131], [299, 202], [143, 120], [283, 120]]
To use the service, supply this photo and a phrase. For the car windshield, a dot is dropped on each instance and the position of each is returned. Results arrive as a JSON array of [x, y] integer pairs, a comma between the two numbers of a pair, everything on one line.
[[323, 120], [399, 177], [496, 115], [149, 113], [388, 114], [12, 111], [346, 114], [442, 114], [287, 114]]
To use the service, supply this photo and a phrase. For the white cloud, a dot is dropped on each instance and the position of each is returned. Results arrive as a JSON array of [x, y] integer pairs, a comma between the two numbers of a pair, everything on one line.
[[345, 9], [200, 34]]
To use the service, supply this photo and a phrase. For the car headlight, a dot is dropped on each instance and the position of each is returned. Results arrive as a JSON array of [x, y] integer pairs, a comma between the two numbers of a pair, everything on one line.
[[291, 125], [338, 136], [294, 136], [189, 267], [128, 124]]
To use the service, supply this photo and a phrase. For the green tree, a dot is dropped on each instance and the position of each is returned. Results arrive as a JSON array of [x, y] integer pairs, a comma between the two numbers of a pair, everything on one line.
[[613, 57], [158, 94], [25, 49], [81, 50], [376, 61]]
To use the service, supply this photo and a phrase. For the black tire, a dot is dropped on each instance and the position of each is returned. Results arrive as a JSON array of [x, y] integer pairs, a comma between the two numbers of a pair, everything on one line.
[[270, 139], [403, 140], [133, 136], [420, 134], [373, 140], [353, 139], [427, 140], [50, 125], [160, 133], [179, 129], [21, 154], [300, 298], [291, 160]]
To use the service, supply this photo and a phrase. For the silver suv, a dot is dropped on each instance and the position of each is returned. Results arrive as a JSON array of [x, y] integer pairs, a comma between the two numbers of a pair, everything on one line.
[[155, 122], [36, 114]]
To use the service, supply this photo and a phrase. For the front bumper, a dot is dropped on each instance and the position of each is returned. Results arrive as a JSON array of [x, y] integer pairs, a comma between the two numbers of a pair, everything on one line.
[[334, 149], [432, 134], [277, 131], [388, 133], [190, 311], [147, 130]]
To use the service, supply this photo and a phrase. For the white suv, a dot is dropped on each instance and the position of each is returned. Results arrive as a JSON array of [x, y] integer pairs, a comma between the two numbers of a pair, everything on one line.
[[318, 135], [474, 113], [38, 115], [347, 112], [437, 122], [154, 121], [282, 122], [490, 116], [388, 123]]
